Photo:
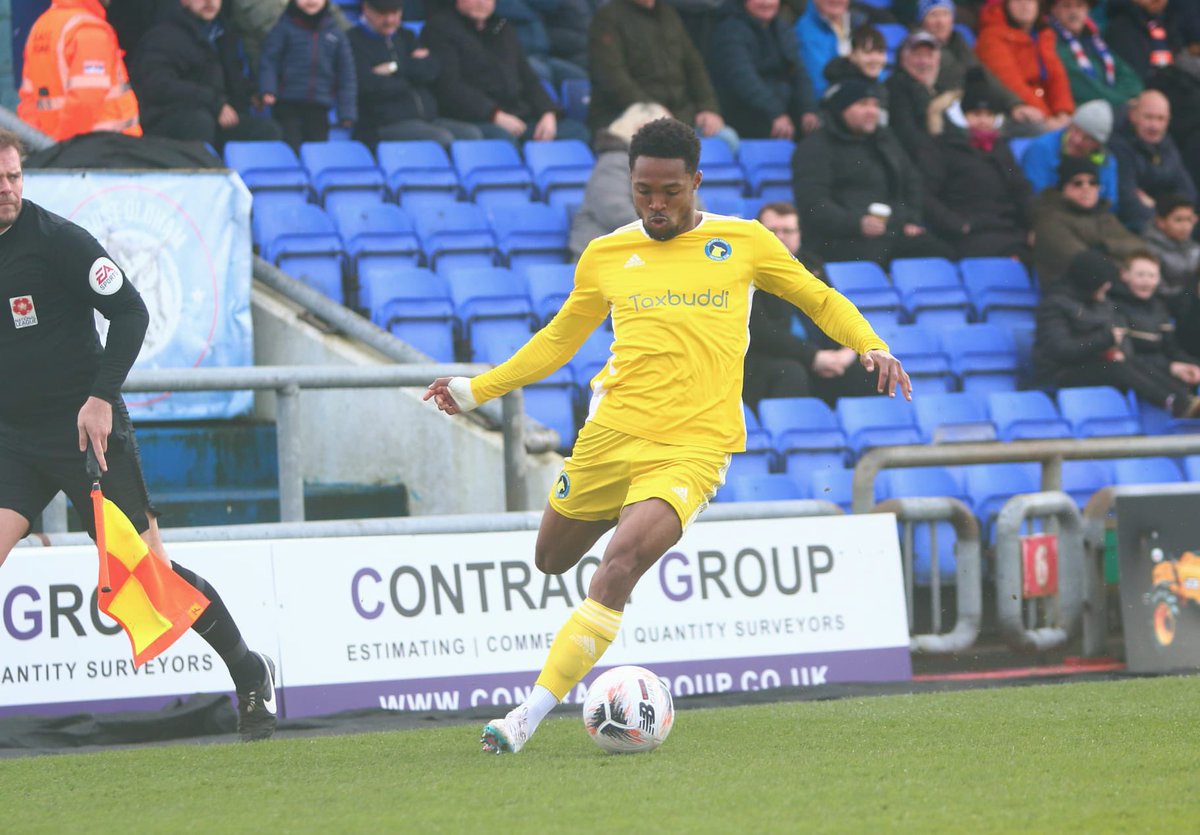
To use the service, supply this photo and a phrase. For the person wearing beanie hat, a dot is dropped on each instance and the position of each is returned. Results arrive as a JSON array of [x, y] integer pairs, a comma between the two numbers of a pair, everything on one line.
[[1085, 136], [1073, 217], [976, 197], [858, 192], [1078, 340], [1094, 70], [924, 7]]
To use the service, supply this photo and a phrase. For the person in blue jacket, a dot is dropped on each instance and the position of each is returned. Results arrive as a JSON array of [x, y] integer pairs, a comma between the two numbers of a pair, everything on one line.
[[1086, 137], [824, 34], [306, 68]]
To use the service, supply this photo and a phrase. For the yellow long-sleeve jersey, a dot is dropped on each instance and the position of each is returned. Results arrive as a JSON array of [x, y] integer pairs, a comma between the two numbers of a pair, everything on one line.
[[680, 312]]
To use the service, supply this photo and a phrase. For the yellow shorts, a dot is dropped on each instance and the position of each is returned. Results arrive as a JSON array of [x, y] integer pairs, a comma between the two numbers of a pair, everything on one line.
[[609, 469]]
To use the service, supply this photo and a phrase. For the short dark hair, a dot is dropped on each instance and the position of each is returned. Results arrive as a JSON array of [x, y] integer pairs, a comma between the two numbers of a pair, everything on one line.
[[666, 138], [867, 38], [1169, 203], [779, 207], [10, 139], [1142, 254]]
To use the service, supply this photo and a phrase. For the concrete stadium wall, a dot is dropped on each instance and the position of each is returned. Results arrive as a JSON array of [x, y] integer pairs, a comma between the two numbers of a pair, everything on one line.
[[382, 436]]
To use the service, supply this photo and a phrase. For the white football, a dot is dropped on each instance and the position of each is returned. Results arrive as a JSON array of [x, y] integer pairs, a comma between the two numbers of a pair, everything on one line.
[[628, 710]]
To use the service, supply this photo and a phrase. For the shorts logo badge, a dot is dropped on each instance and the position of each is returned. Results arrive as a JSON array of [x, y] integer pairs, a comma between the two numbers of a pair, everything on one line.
[[718, 249], [23, 312], [562, 487], [105, 277]]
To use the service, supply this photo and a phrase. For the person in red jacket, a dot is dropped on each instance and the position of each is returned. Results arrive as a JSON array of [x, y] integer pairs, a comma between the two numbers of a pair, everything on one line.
[[75, 79], [1021, 51]]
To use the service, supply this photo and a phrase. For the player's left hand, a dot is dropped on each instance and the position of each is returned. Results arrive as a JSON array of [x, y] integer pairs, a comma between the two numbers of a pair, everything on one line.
[[891, 373], [95, 424]]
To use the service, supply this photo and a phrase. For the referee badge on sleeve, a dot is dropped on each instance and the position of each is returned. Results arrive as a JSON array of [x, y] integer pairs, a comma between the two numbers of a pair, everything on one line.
[[23, 312]]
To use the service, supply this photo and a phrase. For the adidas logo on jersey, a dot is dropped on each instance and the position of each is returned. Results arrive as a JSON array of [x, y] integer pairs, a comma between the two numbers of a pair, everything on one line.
[[634, 261], [681, 492]]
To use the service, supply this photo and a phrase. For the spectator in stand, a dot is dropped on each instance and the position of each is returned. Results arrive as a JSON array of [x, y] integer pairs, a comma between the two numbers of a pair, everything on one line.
[[530, 18], [395, 77], [867, 58], [1072, 218], [1169, 236], [608, 197], [858, 193], [1085, 137], [779, 363], [912, 89], [1149, 165], [1079, 343], [486, 79], [74, 77], [1143, 35], [824, 34], [758, 75], [1016, 46], [1092, 68], [638, 51], [307, 68], [976, 195], [1149, 322], [190, 79]]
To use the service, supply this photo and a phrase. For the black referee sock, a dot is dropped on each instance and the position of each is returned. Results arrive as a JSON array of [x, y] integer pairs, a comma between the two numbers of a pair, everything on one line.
[[217, 627]]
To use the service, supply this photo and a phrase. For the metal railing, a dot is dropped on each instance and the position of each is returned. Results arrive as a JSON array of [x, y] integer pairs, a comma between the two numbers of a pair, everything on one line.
[[288, 381]]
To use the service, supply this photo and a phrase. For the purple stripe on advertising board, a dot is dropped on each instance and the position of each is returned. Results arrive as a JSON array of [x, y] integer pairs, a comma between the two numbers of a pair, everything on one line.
[[464, 692]]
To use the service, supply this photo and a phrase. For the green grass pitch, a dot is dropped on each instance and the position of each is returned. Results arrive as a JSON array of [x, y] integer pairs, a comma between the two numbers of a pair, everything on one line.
[[1118, 756]]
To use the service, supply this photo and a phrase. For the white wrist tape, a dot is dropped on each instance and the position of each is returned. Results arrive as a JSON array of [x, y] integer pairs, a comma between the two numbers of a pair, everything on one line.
[[460, 390]]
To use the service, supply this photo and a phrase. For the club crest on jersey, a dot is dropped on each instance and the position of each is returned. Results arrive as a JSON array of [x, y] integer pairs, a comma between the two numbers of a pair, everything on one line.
[[718, 249], [105, 277], [562, 487], [23, 312]]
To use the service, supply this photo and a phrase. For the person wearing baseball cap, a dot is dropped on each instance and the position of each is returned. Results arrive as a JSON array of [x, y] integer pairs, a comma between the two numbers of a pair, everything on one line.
[[911, 88]]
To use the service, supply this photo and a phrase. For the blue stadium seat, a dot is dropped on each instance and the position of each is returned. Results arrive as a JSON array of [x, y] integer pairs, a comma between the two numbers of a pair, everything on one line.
[[920, 349], [721, 171], [592, 355], [990, 486], [382, 229], [340, 165], [267, 166], [576, 95], [802, 424], [910, 482], [1097, 411], [489, 293], [1152, 470], [954, 417], [490, 165], [454, 235], [877, 421], [984, 356], [769, 487], [931, 291], [726, 204], [549, 286], [1156, 420], [867, 285], [743, 464], [553, 406], [833, 486], [766, 162], [1191, 467], [301, 240], [531, 234], [560, 169], [757, 438], [893, 34], [413, 304], [321, 272], [1026, 415], [266, 205], [999, 288], [345, 200], [1081, 479], [418, 172]]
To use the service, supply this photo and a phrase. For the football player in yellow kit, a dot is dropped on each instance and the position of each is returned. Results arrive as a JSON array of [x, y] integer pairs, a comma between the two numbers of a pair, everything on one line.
[[666, 410]]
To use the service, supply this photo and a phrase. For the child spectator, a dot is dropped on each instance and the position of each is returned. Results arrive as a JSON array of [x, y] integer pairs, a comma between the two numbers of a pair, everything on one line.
[[1169, 236], [867, 59], [1146, 315], [307, 67]]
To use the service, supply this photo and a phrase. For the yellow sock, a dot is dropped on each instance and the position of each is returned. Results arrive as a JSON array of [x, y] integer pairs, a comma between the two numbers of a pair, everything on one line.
[[578, 646]]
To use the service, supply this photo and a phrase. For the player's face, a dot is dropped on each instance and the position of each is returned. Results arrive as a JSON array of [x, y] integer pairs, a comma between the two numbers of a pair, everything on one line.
[[11, 183], [664, 194]]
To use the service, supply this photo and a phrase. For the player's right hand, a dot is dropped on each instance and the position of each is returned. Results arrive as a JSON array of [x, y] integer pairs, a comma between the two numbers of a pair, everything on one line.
[[451, 394]]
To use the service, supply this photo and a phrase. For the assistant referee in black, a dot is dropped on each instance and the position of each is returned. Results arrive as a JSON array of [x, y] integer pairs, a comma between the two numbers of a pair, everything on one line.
[[63, 391]]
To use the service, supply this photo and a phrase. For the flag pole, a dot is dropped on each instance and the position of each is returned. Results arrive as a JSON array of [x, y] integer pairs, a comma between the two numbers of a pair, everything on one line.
[[93, 468]]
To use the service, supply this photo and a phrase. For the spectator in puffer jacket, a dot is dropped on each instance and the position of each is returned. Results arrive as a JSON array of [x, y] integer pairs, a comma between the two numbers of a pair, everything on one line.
[[1021, 51], [1142, 309], [307, 68]]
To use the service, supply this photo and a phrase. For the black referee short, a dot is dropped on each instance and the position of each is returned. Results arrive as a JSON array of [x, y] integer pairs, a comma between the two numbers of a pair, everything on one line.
[[37, 462]]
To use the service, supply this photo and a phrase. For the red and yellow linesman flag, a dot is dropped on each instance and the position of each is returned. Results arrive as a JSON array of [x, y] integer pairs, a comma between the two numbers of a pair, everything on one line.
[[137, 589]]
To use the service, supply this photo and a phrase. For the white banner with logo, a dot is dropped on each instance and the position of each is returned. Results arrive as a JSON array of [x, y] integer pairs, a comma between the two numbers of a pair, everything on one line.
[[456, 621], [184, 242]]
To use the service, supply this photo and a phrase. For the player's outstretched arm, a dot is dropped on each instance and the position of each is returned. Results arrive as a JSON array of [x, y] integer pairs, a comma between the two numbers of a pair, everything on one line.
[[891, 372], [451, 394]]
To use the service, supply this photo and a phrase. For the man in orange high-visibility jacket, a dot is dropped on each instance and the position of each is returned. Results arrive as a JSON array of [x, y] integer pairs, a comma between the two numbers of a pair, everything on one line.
[[75, 79]]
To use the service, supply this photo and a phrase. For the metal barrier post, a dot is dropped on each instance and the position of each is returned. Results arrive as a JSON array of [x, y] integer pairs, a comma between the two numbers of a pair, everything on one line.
[[513, 411], [291, 452], [1071, 574], [968, 569]]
